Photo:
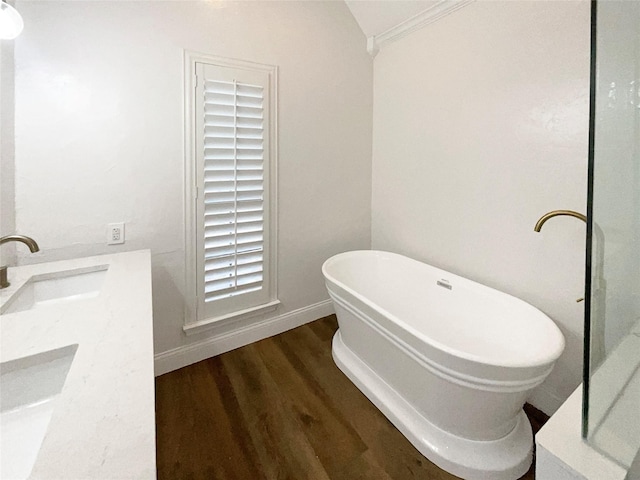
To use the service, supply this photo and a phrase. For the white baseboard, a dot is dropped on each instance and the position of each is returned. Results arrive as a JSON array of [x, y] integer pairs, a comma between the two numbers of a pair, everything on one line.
[[215, 345], [545, 401]]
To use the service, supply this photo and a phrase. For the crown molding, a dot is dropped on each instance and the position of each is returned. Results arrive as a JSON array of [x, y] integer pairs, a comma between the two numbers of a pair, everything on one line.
[[421, 20]]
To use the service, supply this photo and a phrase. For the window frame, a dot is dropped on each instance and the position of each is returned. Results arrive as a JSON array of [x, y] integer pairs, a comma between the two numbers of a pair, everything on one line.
[[193, 307]]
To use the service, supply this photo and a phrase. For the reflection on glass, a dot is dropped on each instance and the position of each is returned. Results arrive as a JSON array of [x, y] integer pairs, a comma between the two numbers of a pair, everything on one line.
[[612, 373]]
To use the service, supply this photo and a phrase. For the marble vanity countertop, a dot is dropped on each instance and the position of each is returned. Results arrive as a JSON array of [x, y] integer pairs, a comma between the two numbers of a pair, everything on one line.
[[103, 424]]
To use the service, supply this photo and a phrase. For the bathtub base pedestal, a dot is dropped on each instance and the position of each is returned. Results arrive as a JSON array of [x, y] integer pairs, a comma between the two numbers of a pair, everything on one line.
[[507, 458]]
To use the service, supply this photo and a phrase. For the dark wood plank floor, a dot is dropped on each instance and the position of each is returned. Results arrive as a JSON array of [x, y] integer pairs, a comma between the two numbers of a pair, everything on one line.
[[280, 409]]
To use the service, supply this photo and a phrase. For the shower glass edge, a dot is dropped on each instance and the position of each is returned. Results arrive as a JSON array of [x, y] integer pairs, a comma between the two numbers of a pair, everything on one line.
[[611, 381]]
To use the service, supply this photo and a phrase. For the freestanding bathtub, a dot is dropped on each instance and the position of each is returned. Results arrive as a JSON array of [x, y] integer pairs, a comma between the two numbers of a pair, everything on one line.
[[450, 362]]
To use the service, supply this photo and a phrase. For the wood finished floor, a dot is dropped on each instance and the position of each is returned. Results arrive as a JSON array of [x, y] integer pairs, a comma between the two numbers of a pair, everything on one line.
[[280, 409]]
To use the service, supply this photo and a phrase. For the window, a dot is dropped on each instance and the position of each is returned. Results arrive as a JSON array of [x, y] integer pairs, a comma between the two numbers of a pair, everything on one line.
[[232, 180]]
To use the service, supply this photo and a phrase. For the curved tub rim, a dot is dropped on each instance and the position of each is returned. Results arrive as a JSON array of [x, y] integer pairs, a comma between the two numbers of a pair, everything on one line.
[[545, 360], [474, 381]]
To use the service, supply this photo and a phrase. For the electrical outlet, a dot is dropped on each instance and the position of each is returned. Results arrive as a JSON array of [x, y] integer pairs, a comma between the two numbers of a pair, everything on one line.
[[115, 233]]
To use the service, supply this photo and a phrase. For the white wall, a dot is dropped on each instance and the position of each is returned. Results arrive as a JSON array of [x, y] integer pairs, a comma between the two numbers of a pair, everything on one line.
[[99, 132], [480, 127]]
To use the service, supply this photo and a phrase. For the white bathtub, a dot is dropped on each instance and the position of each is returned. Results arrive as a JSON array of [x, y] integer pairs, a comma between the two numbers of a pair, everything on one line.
[[450, 362]]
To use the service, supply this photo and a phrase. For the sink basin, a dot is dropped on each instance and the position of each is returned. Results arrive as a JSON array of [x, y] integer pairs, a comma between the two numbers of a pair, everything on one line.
[[29, 388], [57, 287]]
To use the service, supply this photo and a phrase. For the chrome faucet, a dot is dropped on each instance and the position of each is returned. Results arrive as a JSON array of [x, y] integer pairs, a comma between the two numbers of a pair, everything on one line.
[[29, 242], [555, 213]]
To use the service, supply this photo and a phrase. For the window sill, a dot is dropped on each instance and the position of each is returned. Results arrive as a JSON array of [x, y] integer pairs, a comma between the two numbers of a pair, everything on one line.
[[193, 328]]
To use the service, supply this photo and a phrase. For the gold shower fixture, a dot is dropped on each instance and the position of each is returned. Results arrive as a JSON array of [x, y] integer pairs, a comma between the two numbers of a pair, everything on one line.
[[556, 213]]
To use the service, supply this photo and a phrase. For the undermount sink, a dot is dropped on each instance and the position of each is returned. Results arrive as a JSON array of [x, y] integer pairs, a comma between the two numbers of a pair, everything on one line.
[[57, 287], [29, 387]]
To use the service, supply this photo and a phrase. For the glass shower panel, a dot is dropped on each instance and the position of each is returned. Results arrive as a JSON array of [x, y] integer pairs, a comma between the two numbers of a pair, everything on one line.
[[612, 373]]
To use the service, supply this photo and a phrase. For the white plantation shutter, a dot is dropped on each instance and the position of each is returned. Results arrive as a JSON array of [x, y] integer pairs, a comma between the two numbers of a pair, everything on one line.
[[233, 188], [232, 146]]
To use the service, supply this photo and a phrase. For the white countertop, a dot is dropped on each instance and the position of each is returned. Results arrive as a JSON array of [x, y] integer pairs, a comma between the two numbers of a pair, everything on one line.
[[103, 425]]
